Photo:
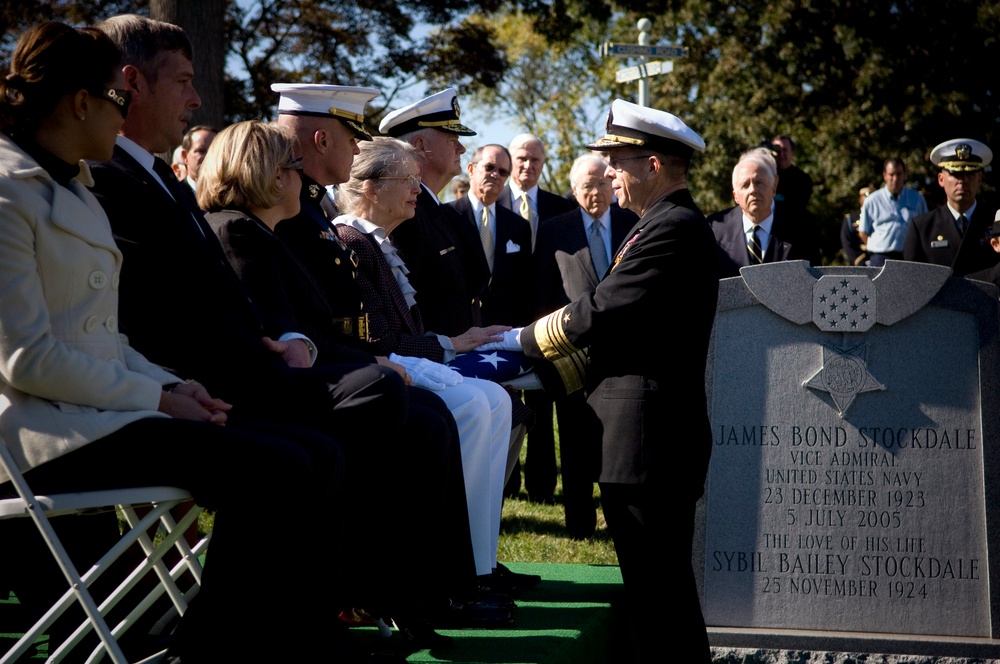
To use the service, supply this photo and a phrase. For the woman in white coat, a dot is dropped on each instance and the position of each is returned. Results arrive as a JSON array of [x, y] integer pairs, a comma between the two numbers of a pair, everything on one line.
[[79, 408]]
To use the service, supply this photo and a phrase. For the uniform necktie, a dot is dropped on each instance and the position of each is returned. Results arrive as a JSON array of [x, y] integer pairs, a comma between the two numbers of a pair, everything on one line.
[[486, 237], [963, 223], [753, 247], [598, 251]]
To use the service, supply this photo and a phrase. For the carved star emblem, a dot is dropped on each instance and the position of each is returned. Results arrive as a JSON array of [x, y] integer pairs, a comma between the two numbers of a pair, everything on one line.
[[492, 358], [844, 375]]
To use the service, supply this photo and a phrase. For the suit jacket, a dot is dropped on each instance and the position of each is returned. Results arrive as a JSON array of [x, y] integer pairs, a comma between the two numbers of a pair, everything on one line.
[[563, 266], [785, 244], [650, 398], [447, 266], [393, 326], [67, 376], [288, 297], [934, 238], [181, 302], [509, 299], [549, 205]]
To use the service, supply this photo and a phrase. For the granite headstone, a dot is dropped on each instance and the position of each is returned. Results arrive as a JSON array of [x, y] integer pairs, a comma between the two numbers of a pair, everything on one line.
[[853, 475]]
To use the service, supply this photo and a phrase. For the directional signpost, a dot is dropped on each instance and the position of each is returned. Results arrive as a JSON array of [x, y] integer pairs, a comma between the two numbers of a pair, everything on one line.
[[609, 49], [644, 70]]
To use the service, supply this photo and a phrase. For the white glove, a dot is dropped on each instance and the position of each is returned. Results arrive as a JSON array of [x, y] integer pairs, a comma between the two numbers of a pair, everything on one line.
[[427, 374], [510, 340]]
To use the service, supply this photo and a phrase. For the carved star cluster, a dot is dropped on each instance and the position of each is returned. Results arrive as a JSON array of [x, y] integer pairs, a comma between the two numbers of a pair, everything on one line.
[[844, 303]]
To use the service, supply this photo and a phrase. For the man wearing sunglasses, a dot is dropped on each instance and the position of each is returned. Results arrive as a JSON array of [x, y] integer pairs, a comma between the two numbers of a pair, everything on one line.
[[505, 238]]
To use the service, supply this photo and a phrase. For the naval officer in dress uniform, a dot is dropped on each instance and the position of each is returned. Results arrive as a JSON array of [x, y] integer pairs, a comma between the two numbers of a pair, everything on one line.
[[650, 401], [956, 234]]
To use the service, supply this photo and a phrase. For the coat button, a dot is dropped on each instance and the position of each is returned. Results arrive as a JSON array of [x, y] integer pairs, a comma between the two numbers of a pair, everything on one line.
[[90, 324], [98, 280], [111, 324]]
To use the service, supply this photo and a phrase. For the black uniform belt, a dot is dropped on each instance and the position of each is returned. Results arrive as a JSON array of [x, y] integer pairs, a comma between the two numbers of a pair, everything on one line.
[[356, 327]]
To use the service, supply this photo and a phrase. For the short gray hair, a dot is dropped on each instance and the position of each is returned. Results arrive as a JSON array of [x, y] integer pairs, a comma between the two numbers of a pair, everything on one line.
[[580, 164], [379, 157], [523, 139], [762, 157]]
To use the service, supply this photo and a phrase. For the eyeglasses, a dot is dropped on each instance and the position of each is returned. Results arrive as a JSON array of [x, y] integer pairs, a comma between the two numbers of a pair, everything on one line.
[[294, 165], [491, 168], [120, 98], [411, 180], [614, 163]]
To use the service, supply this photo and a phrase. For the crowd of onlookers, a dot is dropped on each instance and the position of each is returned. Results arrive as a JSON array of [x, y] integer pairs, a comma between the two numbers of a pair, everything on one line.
[[301, 283]]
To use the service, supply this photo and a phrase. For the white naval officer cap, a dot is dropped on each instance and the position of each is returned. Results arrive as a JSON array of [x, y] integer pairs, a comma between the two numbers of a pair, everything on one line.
[[344, 102], [961, 155], [439, 111], [631, 125]]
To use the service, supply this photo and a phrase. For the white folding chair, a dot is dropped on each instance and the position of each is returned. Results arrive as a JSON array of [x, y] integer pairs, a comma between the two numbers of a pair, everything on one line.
[[162, 499]]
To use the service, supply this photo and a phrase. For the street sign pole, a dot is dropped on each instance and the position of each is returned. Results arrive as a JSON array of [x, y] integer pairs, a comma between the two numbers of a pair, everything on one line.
[[644, 25], [643, 51]]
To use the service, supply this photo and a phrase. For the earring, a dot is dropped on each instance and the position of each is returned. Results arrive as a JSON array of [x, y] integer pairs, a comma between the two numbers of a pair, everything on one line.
[[82, 116]]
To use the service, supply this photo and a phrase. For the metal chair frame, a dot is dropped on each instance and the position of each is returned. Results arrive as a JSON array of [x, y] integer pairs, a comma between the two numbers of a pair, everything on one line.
[[162, 499]]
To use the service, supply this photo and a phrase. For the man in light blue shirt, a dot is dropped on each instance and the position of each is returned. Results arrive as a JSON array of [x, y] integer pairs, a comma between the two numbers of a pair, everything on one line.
[[887, 212]]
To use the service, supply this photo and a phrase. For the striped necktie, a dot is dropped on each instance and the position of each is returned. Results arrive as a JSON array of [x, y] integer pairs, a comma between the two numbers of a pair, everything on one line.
[[753, 248]]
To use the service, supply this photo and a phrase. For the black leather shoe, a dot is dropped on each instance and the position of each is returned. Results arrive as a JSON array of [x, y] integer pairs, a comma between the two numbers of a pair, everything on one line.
[[422, 635], [476, 615], [505, 581]]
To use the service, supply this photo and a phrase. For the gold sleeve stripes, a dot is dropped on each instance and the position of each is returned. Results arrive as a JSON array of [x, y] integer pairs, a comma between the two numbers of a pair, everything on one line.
[[551, 338], [569, 361]]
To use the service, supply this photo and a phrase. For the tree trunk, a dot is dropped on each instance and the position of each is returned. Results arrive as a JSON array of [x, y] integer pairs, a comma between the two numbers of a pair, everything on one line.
[[204, 22]]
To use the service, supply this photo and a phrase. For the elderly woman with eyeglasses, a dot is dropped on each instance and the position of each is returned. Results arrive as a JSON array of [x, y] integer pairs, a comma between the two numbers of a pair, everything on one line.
[[381, 195]]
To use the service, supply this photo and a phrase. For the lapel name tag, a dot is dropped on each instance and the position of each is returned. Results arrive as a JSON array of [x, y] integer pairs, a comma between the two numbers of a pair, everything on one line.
[[938, 244]]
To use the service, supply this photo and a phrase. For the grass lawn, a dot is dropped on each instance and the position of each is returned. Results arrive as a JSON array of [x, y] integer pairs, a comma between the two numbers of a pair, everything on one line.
[[534, 533]]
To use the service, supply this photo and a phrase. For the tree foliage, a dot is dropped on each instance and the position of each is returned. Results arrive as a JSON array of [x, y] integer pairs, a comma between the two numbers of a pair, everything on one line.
[[851, 82], [349, 43], [553, 86]]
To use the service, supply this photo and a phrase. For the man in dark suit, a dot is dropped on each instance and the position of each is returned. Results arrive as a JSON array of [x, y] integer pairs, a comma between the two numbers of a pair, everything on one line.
[[504, 239], [447, 270], [524, 197], [194, 147], [756, 230], [650, 401], [956, 234], [572, 254], [522, 194]]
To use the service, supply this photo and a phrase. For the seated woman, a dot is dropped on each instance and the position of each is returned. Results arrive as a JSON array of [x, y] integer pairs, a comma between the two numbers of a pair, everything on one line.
[[381, 194], [79, 409], [249, 181]]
